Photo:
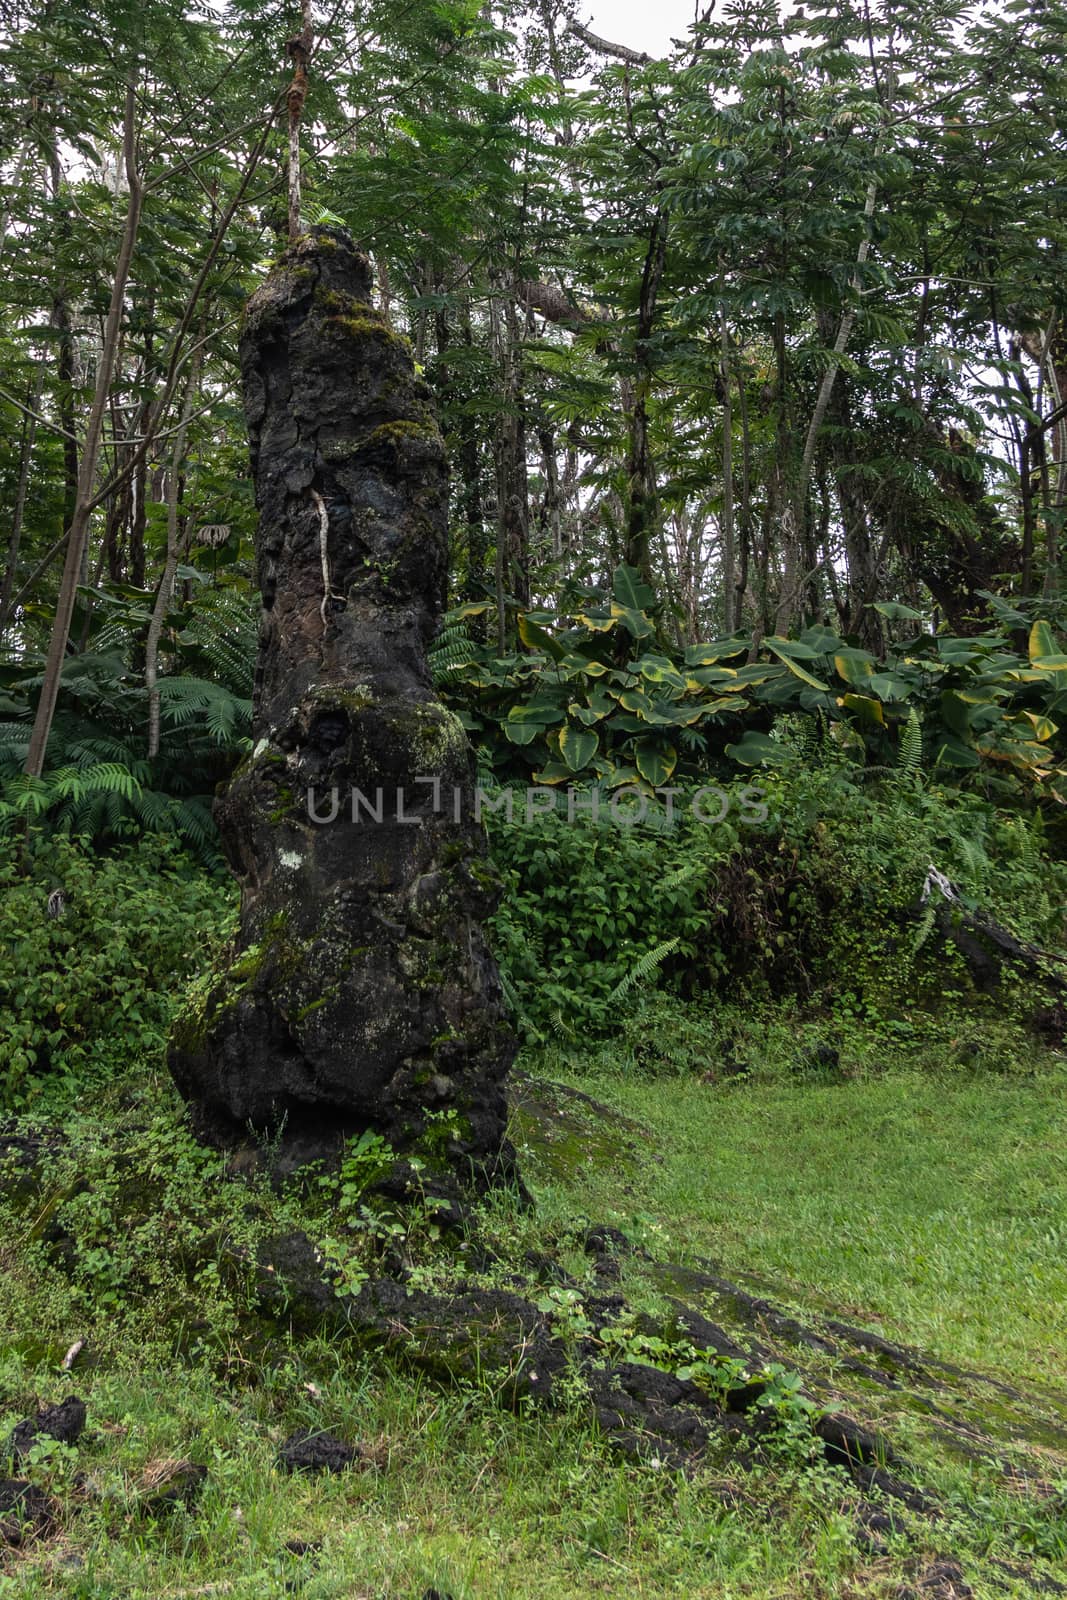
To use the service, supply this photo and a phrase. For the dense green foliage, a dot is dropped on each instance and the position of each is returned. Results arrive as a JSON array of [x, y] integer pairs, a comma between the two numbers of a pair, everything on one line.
[[819, 899], [93, 950], [602, 698], [100, 782]]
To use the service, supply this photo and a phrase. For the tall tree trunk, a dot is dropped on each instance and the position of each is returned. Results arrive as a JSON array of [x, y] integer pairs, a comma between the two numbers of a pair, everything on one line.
[[64, 326], [299, 53], [744, 526], [29, 435], [170, 567], [79, 525], [513, 496], [641, 509], [795, 510], [728, 550]]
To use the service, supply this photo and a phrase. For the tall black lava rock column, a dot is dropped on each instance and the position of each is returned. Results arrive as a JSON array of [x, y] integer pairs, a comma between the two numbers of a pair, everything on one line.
[[361, 992]]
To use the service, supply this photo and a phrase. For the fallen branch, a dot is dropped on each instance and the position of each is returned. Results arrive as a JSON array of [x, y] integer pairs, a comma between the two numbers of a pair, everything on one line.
[[985, 946]]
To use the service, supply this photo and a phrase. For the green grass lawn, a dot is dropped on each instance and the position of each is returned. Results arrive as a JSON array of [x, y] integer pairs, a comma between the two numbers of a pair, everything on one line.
[[932, 1209]]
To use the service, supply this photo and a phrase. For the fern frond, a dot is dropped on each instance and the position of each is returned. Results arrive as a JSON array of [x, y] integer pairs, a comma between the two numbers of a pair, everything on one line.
[[908, 771], [643, 969]]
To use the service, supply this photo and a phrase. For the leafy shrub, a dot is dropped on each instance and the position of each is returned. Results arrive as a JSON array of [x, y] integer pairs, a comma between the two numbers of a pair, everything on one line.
[[820, 900], [587, 902], [92, 949], [599, 694]]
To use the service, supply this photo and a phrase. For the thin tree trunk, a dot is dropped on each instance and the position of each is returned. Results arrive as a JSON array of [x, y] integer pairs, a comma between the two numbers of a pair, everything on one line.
[[843, 332], [79, 525], [300, 53], [794, 508], [62, 322], [728, 551], [29, 435], [745, 519], [170, 566], [640, 473], [513, 494]]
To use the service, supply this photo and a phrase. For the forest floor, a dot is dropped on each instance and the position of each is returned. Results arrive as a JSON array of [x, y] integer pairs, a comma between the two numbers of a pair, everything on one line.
[[896, 1239]]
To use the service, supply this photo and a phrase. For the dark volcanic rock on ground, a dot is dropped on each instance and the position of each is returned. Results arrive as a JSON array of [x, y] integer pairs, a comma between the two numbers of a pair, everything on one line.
[[317, 1452], [26, 1512], [64, 1422], [362, 992]]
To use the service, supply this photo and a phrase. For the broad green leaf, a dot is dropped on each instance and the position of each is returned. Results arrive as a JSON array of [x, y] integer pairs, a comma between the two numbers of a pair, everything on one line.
[[574, 665], [578, 746], [855, 666], [790, 649], [889, 686], [956, 713], [775, 647], [749, 677], [711, 708], [523, 732], [537, 638], [657, 669], [756, 749], [824, 641], [1043, 727], [634, 621], [637, 701], [1042, 641], [598, 706], [655, 762], [706, 655], [537, 713], [630, 591], [553, 772], [704, 677], [893, 611], [619, 775], [597, 623], [866, 709], [952, 752], [958, 652]]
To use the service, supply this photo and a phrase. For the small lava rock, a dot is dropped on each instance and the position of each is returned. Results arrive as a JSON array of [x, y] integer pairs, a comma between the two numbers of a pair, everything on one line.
[[26, 1512], [942, 1580], [64, 1422], [317, 1452]]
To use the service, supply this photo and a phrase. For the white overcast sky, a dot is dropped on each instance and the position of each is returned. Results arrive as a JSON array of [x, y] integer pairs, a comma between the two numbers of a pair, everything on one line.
[[642, 24]]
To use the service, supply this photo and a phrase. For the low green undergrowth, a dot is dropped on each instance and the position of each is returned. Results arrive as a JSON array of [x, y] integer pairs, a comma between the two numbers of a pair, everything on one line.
[[929, 1208], [93, 949], [811, 887]]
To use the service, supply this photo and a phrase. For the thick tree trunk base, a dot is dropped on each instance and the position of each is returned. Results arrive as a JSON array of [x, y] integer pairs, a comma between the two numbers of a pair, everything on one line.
[[361, 993]]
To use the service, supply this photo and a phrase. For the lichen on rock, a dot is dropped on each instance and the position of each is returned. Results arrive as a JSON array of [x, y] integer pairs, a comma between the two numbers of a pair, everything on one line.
[[361, 972]]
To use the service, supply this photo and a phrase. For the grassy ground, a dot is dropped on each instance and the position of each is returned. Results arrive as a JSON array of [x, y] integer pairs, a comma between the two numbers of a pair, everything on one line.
[[933, 1210]]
